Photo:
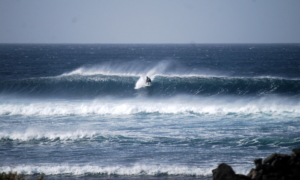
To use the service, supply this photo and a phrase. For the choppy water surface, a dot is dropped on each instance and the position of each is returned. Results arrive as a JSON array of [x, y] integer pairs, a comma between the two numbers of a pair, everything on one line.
[[84, 112]]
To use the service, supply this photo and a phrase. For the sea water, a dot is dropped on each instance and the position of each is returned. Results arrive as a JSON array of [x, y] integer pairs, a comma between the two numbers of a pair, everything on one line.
[[83, 111]]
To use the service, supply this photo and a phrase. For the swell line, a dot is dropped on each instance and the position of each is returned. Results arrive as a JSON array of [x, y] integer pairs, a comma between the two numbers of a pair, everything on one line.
[[77, 86]]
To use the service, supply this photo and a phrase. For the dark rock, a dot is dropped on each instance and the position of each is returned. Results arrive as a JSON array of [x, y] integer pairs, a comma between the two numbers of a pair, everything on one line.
[[292, 160], [297, 151], [294, 173], [276, 164], [260, 174], [253, 174], [269, 177], [258, 161], [223, 172], [258, 164], [241, 177], [283, 158], [270, 158], [259, 167], [282, 155], [267, 168], [274, 167]]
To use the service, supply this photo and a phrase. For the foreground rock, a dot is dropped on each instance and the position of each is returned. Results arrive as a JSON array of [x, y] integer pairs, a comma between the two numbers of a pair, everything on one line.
[[225, 172], [274, 167]]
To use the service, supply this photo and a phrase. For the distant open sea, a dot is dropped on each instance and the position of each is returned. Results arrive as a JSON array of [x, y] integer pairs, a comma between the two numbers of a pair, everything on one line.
[[75, 111]]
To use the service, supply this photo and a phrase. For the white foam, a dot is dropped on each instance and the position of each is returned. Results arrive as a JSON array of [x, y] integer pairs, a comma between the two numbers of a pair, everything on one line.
[[175, 105], [138, 169], [156, 70], [37, 134]]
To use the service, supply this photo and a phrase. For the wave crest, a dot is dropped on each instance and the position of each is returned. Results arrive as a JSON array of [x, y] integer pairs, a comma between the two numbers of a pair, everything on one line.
[[135, 170], [176, 105]]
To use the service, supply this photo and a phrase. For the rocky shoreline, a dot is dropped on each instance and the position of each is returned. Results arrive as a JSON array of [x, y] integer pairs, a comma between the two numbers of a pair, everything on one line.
[[274, 167]]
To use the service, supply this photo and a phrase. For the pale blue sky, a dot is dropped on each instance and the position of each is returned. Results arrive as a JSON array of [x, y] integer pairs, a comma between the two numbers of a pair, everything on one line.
[[150, 21]]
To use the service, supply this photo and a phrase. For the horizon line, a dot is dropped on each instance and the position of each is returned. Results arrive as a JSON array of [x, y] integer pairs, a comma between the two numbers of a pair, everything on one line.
[[143, 43]]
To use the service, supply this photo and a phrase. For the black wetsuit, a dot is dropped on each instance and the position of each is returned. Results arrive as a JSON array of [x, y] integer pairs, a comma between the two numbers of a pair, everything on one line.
[[148, 80]]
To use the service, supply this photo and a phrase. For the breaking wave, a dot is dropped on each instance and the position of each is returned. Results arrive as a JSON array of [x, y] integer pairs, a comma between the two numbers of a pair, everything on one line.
[[186, 105], [93, 86], [207, 139], [136, 170], [128, 80]]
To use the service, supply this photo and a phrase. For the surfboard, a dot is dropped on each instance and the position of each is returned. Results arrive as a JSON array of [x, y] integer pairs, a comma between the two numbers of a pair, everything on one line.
[[148, 84]]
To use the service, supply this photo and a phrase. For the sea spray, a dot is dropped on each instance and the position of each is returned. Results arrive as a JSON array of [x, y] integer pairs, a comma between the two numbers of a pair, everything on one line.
[[81, 111]]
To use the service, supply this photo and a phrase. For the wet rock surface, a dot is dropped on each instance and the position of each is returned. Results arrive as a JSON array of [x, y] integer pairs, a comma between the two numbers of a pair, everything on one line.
[[274, 167]]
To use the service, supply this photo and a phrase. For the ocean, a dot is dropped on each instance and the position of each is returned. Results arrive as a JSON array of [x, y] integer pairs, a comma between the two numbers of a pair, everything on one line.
[[82, 111]]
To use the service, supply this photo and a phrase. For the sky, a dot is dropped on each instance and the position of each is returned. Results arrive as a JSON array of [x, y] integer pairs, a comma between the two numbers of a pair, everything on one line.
[[149, 21]]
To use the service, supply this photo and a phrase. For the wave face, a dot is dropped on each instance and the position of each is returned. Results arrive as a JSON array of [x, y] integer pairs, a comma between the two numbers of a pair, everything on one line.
[[84, 112], [163, 85], [121, 70]]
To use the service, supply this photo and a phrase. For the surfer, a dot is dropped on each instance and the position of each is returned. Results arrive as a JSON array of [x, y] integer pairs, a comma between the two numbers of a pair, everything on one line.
[[148, 80]]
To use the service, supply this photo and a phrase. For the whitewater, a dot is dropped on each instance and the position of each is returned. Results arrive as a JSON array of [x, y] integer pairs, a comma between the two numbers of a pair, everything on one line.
[[84, 112]]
